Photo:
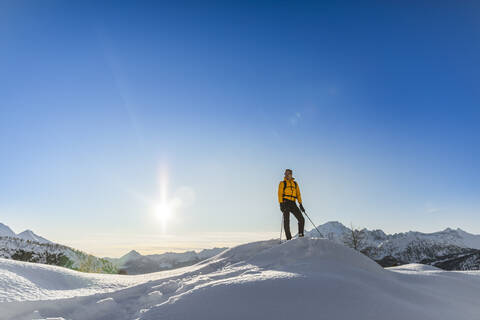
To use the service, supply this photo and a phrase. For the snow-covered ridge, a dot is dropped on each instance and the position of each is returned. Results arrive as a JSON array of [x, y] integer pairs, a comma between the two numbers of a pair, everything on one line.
[[135, 263], [30, 247], [410, 247], [53, 254], [5, 231], [29, 235], [335, 230], [313, 277]]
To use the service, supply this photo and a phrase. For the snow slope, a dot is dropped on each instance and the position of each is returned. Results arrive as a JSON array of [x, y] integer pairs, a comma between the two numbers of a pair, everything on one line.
[[304, 278]]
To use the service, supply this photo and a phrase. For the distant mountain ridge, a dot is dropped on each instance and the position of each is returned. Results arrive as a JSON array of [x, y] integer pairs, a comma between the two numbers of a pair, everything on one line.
[[454, 249], [458, 237], [29, 235], [449, 249], [135, 263], [30, 247], [5, 231]]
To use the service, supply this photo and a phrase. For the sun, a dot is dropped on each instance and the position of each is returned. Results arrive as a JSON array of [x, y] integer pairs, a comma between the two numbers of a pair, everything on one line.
[[164, 207], [163, 211]]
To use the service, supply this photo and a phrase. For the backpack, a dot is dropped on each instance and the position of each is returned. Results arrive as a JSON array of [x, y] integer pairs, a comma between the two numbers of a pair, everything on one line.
[[285, 186]]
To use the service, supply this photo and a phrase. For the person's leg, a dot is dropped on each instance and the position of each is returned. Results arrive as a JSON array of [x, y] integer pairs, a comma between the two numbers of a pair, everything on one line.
[[286, 224], [301, 220]]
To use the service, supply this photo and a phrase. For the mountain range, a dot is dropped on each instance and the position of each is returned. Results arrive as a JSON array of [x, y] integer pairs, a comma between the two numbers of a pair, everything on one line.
[[135, 263], [30, 247], [29, 235], [449, 249]]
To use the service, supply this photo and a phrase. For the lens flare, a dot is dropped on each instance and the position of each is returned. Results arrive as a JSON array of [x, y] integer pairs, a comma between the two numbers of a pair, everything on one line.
[[163, 212]]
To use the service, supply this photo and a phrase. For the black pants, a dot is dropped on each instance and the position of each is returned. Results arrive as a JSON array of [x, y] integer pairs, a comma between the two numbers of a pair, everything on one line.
[[291, 206]]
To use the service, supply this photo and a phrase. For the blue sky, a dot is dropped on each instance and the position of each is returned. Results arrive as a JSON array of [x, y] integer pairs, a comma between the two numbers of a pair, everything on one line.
[[106, 108]]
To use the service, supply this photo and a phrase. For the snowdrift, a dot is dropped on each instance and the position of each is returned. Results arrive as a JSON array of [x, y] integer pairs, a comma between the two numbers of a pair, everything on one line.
[[303, 278]]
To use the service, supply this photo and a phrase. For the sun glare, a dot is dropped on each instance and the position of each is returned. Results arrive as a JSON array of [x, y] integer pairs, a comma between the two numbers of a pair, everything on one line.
[[165, 207], [163, 211]]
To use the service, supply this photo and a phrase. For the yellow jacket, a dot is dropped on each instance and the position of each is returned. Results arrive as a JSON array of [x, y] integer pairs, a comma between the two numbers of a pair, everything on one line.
[[290, 192]]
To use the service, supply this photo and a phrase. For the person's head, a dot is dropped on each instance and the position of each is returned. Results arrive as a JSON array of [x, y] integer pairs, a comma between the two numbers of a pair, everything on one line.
[[288, 174]]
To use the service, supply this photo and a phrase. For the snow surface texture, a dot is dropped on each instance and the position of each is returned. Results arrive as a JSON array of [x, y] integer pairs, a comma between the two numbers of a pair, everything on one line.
[[306, 278]]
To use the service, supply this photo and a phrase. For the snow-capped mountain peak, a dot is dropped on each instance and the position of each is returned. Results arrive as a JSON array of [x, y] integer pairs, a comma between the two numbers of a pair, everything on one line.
[[28, 234], [405, 247], [5, 231], [332, 230], [31, 236], [131, 255]]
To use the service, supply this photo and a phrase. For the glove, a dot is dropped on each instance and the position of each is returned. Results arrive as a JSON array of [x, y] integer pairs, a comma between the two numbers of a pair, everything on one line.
[[302, 208], [282, 206]]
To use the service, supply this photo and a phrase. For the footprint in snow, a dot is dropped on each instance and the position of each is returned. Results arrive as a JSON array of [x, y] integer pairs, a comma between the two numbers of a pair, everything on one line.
[[155, 294], [168, 287], [106, 300]]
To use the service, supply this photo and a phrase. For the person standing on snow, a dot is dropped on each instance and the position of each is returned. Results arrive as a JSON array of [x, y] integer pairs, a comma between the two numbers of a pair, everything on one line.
[[288, 192]]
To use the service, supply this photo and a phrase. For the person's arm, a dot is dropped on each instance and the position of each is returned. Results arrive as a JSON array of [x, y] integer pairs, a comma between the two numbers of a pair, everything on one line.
[[299, 196], [280, 192]]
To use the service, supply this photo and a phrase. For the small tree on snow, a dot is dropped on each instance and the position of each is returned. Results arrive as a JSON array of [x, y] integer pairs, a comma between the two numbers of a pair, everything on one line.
[[354, 238]]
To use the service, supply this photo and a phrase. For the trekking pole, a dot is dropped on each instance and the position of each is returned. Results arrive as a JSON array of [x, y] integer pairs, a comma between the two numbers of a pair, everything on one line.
[[321, 235], [281, 228]]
